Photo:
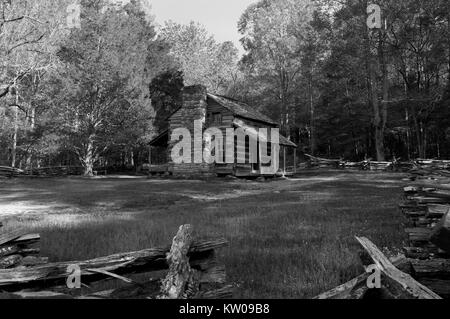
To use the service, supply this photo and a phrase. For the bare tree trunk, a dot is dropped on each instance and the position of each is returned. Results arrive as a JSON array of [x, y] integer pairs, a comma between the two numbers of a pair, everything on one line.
[[30, 151], [313, 142], [378, 123], [448, 41], [89, 157], [383, 106], [16, 128], [379, 109]]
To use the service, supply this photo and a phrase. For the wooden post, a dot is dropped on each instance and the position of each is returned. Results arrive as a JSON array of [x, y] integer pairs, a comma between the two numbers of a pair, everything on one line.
[[181, 277], [284, 160], [295, 161], [150, 155]]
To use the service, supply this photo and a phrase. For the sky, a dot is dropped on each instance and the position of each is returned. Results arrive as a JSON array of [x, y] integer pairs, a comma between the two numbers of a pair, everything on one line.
[[220, 17]]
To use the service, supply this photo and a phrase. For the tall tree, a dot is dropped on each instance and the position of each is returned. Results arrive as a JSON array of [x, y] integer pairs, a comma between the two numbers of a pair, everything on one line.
[[102, 82], [273, 44], [201, 59]]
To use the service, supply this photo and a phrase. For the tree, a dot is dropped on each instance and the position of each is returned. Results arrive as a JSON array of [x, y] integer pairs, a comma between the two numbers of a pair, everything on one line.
[[273, 34], [201, 59], [102, 82], [28, 30]]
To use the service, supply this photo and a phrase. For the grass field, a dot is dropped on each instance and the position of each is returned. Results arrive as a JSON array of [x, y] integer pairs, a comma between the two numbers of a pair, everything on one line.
[[288, 239]]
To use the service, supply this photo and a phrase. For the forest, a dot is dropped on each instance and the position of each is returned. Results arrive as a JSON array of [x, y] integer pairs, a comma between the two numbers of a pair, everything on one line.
[[95, 94]]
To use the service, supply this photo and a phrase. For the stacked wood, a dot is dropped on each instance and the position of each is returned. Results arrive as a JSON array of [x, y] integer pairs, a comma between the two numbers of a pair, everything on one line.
[[159, 169], [55, 171], [19, 249], [323, 162], [427, 208], [420, 168], [339, 163], [8, 172], [188, 269], [433, 164], [424, 269], [396, 282], [379, 166]]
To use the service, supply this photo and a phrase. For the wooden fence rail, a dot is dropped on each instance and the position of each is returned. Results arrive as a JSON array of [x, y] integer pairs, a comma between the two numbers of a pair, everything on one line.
[[188, 269]]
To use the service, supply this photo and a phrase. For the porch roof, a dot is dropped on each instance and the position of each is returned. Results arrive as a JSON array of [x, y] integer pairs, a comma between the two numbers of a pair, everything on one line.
[[257, 134]]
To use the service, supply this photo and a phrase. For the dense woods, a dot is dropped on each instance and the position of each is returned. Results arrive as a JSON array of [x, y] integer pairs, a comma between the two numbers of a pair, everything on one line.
[[94, 96]]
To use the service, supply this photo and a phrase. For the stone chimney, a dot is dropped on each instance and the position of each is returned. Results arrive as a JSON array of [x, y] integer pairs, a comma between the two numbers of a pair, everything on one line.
[[193, 109], [194, 102]]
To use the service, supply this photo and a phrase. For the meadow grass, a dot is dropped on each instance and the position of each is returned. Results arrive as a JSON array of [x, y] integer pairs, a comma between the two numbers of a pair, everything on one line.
[[288, 239]]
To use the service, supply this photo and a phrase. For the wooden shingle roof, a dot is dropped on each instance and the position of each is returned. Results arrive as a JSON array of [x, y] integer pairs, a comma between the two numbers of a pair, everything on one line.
[[241, 109]]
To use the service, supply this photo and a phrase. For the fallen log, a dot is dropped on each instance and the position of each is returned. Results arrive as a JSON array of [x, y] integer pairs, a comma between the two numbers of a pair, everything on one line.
[[420, 253], [357, 287], [433, 268], [399, 283], [437, 211], [418, 235], [11, 236], [430, 200], [439, 286], [54, 274], [349, 290]]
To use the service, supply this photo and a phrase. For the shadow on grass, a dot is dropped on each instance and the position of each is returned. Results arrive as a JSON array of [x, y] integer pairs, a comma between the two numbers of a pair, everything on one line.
[[292, 239]]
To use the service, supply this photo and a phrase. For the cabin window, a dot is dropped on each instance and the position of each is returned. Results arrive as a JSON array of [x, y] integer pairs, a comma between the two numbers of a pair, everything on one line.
[[217, 118]]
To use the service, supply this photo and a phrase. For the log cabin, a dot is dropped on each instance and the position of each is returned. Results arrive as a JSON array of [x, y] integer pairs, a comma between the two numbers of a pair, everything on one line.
[[223, 113]]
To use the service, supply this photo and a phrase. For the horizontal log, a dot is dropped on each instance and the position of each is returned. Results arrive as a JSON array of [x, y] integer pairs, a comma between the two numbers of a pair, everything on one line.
[[134, 262], [434, 268], [357, 287], [34, 295], [445, 195], [7, 237], [434, 185], [439, 286], [148, 290], [345, 291], [418, 235], [420, 253], [437, 211], [430, 200], [412, 205]]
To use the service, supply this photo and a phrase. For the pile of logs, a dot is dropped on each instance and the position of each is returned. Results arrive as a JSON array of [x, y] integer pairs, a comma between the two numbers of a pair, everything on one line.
[[427, 207], [420, 165], [188, 269], [423, 270], [18, 249], [397, 279], [9, 172], [318, 162], [55, 171]]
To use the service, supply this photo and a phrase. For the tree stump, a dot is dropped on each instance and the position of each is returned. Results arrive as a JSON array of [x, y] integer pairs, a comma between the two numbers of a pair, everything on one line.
[[182, 281]]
